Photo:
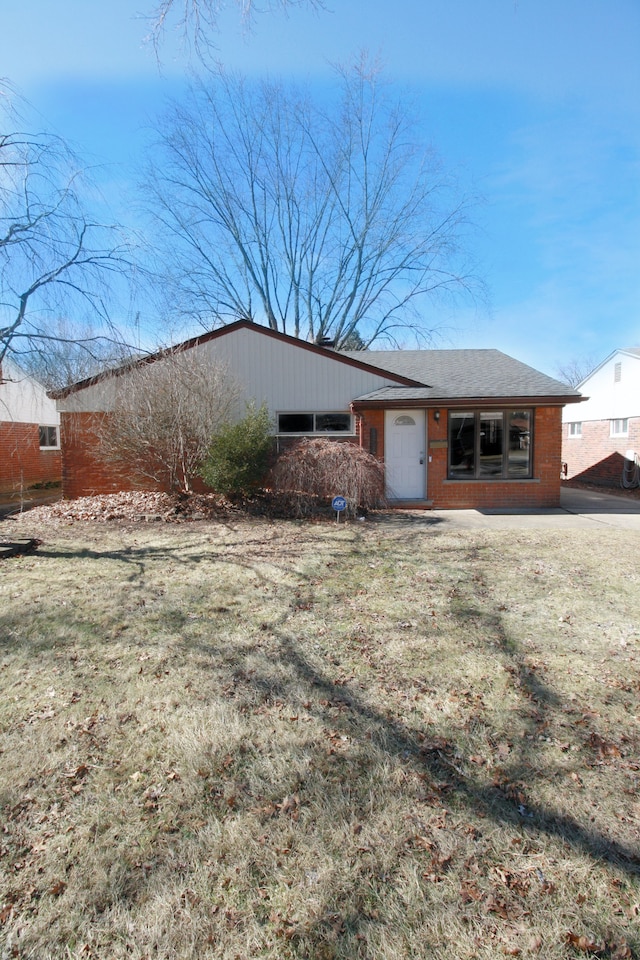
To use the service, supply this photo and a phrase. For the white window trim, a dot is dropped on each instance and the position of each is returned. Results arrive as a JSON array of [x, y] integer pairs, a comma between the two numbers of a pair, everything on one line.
[[316, 433], [623, 432], [50, 426], [575, 434]]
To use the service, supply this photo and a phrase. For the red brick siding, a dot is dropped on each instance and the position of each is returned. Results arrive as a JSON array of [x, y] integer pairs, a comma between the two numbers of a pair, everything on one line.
[[22, 462], [84, 472], [543, 490], [596, 456]]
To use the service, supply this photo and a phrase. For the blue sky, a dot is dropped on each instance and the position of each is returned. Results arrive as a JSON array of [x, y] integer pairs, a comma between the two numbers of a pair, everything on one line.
[[534, 104]]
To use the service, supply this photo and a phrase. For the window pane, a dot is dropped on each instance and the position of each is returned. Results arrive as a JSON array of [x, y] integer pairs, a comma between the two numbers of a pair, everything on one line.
[[48, 436], [333, 422], [519, 451], [461, 445], [490, 461], [295, 423], [619, 427]]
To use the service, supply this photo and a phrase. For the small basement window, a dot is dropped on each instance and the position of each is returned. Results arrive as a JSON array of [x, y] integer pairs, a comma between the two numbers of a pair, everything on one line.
[[48, 437], [315, 423]]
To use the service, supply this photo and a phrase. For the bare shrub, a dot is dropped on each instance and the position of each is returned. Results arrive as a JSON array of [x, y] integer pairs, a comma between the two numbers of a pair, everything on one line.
[[318, 469], [164, 417]]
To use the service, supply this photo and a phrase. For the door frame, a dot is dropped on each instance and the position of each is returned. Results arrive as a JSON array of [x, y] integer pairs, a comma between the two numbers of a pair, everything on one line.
[[418, 414]]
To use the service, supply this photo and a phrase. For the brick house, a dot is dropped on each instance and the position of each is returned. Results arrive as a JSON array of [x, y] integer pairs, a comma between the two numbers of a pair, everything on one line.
[[455, 428], [29, 432], [599, 434]]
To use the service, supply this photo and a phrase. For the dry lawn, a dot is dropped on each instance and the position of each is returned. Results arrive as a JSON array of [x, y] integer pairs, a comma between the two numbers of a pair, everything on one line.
[[379, 740]]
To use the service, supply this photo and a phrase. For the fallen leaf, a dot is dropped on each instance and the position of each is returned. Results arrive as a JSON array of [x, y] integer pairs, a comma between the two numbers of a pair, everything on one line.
[[583, 943], [621, 951], [604, 748], [469, 892]]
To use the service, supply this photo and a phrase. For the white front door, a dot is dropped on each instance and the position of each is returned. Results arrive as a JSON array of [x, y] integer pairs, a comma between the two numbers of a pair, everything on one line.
[[404, 454]]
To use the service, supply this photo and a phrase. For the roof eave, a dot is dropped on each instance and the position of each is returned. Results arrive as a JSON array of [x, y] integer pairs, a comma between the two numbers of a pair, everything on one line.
[[460, 402]]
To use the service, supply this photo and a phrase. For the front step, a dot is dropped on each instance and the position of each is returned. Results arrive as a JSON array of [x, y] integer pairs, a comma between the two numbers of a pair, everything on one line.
[[410, 504]]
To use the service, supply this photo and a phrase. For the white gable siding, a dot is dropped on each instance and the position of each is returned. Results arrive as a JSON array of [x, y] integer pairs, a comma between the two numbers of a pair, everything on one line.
[[24, 400], [283, 375], [609, 399], [287, 377]]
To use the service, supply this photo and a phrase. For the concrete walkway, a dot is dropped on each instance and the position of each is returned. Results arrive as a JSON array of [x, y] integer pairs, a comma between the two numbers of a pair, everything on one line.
[[579, 509]]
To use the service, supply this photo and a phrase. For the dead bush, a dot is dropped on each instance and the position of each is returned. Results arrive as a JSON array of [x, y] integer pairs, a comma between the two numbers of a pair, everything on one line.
[[318, 470]]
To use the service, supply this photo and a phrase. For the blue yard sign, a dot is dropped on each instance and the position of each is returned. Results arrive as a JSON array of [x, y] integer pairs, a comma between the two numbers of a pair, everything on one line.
[[339, 504]]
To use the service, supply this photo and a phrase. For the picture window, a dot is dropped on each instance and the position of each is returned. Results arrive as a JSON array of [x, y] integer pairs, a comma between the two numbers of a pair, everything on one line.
[[490, 445]]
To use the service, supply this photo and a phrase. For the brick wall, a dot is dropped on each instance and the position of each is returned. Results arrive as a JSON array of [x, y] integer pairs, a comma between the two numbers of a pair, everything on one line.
[[22, 463], [84, 472], [543, 490], [596, 456]]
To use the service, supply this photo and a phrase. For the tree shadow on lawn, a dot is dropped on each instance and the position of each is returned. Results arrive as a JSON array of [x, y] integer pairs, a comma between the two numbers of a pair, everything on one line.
[[400, 739], [438, 759], [344, 709]]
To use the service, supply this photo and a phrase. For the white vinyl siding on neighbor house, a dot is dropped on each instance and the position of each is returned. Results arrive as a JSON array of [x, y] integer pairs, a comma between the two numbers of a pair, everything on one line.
[[613, 390], [24, 400]]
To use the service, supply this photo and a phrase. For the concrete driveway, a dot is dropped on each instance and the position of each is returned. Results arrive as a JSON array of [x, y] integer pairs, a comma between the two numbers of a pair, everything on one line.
[[584, 509]]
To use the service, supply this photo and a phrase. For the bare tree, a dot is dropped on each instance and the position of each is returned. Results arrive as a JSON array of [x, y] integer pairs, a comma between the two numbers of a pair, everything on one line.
[[165, 415], [318, 221], [576, 370], [74, 352], [54, 259]]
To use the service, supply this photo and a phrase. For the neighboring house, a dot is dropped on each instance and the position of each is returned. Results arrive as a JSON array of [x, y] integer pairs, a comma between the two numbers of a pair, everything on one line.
[[599, 434], [455, 428], [29, 432]]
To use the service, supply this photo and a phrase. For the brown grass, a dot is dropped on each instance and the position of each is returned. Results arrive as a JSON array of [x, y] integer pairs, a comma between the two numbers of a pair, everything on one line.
[[388, 739]]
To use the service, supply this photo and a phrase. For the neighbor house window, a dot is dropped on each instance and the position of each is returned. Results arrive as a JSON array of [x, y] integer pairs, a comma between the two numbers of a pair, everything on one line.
[[617, 372], [619, 428], [575, 429], [315, 423], [490, 445], [48, 436]]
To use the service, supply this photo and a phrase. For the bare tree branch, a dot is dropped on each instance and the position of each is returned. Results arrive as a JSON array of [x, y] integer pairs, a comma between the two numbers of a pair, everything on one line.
[[55, 260], [317, 222], [576, 370], [197, 21], [165, 416]]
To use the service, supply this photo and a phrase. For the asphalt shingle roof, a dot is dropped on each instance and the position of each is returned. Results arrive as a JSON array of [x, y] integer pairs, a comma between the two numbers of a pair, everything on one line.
[[456, 374]]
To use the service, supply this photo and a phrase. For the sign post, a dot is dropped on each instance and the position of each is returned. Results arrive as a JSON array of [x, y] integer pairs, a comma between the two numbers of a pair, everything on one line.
[[339, 504]]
